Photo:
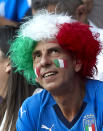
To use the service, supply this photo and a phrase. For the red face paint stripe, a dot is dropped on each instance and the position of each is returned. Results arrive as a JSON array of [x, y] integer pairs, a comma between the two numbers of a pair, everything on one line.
[[38, 71], [65, 63]]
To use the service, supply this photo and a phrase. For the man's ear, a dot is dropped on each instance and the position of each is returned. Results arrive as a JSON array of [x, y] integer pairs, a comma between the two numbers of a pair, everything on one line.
[[81, 13], [77, 65], [8, 65]]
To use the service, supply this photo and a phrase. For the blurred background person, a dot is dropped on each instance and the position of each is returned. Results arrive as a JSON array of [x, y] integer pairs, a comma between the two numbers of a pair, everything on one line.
[[4, 21], [96, 13], [13, 11], [50, 5], [85, 10], [14, 89]]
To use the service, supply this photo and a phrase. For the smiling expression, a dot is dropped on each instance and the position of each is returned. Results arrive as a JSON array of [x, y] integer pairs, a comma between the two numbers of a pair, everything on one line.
[[52, 77]]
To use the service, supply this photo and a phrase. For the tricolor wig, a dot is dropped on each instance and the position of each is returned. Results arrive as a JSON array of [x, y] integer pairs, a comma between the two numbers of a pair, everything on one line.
[[71, 36]]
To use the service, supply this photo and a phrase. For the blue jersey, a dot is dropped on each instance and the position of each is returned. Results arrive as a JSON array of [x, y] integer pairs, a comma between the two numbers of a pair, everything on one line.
[[14, 9], [41, 112]]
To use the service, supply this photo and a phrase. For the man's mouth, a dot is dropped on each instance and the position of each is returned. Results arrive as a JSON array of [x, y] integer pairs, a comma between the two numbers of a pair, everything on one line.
[[48, 74]]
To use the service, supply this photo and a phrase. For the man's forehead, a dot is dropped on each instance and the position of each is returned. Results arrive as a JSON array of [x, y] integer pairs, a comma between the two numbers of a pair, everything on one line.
[[47, 45]]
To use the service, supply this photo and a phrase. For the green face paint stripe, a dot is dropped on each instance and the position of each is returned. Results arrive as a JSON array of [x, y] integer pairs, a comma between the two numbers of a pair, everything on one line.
[[56, 62]]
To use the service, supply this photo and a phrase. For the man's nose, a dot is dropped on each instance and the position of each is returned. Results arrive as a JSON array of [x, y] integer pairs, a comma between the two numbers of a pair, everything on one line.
[[45, 61]]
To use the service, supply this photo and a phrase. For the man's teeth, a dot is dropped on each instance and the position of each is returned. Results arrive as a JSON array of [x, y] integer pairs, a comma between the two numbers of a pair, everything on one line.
[[49, 74]]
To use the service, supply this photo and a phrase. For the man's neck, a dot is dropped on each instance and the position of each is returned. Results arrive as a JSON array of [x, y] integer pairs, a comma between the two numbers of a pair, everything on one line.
[[70, 102]]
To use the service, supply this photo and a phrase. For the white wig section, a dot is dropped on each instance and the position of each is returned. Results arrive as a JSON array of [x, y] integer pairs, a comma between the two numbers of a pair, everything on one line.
[[44, 25]]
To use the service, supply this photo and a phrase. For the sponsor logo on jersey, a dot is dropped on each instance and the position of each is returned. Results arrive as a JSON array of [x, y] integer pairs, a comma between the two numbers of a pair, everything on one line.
[[47, 128]]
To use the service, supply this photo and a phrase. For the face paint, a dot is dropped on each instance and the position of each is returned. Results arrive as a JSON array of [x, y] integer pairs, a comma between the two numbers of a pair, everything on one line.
[[37, 72], [60, 63]]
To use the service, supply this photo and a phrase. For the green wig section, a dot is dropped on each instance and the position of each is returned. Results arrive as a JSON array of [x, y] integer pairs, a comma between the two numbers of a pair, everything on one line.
[[21, 57]]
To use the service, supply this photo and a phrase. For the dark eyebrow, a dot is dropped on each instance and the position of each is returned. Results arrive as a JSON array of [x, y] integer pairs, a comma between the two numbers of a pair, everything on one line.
[[49, 49], [54, 48]]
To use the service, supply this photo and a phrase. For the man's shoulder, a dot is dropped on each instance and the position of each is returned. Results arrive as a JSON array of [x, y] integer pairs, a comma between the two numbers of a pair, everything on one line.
[[95, 90], [95, 85], [38, 99], [32, 106]]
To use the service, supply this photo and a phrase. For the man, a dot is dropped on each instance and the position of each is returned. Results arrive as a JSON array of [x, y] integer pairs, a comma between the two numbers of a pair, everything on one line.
[[60, 54]]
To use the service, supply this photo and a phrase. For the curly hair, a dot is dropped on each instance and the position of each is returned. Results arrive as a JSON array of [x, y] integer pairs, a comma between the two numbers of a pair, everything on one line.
[[21, 57], [78, 39], [70, 34]]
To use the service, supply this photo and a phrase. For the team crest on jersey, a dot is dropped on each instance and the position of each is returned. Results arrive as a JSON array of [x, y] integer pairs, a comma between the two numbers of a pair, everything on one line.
[[89, 123]]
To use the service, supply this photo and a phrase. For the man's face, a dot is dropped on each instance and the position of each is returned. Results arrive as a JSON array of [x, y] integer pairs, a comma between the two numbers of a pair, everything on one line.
[[52, 77]]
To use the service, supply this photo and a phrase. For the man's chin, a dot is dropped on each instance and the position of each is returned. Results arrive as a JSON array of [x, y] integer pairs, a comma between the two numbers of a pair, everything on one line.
[[51, 87]]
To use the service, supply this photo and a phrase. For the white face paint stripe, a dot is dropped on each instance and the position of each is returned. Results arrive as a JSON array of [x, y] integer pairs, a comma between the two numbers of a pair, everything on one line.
[[35, 72], [61, 63]]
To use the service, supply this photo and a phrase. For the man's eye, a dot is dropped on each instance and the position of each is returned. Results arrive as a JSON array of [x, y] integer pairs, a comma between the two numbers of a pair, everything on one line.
[[36, 56], [54, 51]]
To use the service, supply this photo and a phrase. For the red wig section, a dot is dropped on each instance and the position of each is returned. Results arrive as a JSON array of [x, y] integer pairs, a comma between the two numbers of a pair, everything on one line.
[[78, 39]]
